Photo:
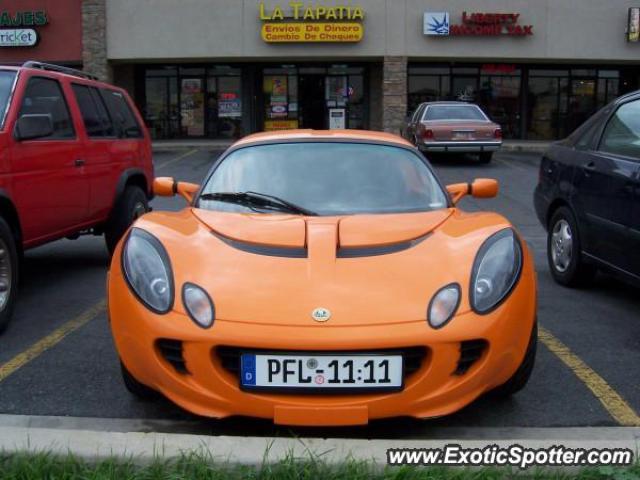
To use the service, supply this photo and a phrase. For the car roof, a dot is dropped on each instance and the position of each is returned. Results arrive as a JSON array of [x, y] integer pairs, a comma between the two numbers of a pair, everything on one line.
[[451, 102], [54, 73], [627, 96], [308, 134]]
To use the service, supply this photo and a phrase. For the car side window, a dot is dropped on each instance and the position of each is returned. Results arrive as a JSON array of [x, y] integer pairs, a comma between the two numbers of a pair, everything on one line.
[[586, 140], [126, 125], [622, 134], [44, 96], [94, 114]]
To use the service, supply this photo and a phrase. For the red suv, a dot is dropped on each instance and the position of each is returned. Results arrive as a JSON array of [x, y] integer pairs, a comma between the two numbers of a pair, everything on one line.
[[74, 159]]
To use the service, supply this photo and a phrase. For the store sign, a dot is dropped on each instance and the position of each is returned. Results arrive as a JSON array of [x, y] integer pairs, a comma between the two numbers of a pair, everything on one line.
[[337, 119], [23, 37], [475, 24], [307, 23], [274, 125], [14, 31], [633, 27]]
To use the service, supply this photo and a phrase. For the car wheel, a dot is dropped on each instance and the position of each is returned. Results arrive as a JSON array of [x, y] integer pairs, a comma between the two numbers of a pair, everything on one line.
[[564, 251], [519, 379], [8, 274], [485, 157], [132, 204], [136, 388]]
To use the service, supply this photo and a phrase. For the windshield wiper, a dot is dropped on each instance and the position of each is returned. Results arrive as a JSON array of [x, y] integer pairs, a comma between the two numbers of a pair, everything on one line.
[[258, 200]]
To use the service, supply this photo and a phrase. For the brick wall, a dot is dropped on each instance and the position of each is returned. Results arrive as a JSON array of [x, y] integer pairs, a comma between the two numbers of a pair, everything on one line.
[[94, 39], [394, 93]]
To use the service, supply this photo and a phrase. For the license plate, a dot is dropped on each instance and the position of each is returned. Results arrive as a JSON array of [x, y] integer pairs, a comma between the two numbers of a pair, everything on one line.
[[463, 136], [321, 372]]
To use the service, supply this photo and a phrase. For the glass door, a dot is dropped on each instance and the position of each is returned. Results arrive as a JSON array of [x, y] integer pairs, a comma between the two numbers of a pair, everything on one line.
[[464, 89], [582, 102], [192, 106]]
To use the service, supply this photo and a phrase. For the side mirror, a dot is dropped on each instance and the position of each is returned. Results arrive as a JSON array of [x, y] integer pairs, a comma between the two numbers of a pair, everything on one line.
[[168, 187], [480, 188], [33, 125]]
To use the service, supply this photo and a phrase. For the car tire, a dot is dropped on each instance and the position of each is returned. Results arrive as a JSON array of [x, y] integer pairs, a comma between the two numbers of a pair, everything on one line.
[[8, 274], [132, 204], [564, 251], [485, 157], [136, 388], [520, 378]]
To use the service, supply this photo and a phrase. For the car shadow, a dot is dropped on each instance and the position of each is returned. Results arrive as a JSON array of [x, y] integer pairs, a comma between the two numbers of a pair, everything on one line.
[[62, 261]]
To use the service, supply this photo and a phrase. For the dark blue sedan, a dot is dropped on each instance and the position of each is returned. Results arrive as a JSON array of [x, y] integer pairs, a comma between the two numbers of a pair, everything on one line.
[[588, 196]]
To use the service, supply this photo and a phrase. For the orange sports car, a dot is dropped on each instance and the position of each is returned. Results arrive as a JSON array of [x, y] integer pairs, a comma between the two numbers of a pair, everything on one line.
[[323, 278]]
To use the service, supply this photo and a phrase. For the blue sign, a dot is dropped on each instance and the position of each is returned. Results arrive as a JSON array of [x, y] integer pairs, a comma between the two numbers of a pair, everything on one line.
[[436, 23]]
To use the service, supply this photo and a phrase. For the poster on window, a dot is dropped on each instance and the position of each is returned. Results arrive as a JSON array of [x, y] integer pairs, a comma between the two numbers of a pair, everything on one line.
[[633, 30], [230, 108]]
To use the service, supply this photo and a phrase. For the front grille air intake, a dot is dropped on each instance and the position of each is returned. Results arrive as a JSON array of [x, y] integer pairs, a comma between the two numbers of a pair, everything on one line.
[[171, 351], [470, 353]]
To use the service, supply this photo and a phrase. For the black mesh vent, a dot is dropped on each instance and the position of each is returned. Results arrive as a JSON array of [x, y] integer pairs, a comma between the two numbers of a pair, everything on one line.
[[171, 350], [470, 353]]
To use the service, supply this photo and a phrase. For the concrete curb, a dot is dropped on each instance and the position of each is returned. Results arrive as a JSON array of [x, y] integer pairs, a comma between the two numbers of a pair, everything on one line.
[[143, 447]]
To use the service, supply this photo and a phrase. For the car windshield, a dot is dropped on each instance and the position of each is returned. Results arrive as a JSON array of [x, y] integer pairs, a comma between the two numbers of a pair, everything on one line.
[[454, 112], [328, 178], [6, 84]]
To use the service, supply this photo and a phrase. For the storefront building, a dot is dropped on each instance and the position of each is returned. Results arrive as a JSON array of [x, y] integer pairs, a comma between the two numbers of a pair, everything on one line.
[[221, 69]]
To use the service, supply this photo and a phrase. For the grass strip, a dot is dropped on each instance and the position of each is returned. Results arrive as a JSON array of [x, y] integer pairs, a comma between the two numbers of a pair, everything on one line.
[[199, 466]]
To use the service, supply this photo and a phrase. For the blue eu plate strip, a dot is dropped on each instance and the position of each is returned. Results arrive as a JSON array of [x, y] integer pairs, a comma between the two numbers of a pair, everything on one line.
[[248, 369]]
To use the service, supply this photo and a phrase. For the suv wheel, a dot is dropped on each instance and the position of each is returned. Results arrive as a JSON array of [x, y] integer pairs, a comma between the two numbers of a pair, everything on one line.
[[564, 251], [8, 274], [519, 379], [132, 204], [485, 157]]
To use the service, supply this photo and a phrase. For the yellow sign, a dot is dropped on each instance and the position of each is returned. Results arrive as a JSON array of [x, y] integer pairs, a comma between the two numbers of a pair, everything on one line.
[[312, 32], [272, 125], [299, 11]]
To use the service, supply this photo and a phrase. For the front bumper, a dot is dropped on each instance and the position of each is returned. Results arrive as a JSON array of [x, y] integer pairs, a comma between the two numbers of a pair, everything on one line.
[[460, 147], [211, 390]]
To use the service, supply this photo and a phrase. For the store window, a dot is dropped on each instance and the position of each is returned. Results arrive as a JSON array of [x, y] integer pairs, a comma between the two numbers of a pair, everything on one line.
[[495, 87], [499, 97], [547, 104], [316, 97], [224, 103], [280, 89], [160, 111], [560, 100], [427, 84], [193, 101]]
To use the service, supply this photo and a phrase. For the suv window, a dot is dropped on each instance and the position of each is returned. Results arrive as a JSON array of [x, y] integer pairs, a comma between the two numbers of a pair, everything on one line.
[[44, 96], [94, 113], [6, 85], [622, 134], [125, 122]]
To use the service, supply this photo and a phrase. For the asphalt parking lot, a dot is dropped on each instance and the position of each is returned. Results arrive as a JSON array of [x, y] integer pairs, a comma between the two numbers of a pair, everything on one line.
[[58, 359]]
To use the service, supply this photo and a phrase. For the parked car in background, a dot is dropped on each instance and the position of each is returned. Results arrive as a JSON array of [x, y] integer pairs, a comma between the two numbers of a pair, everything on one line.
[[74, 159], [454, 127], [588, 196]]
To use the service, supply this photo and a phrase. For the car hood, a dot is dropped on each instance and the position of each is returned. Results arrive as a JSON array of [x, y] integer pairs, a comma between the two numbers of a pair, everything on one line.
[[365, 269]]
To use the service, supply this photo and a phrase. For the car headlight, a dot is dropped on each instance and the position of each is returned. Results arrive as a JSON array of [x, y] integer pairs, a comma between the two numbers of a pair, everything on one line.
[[198, 305], [148, 271], [443, 305], [496, 270]]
